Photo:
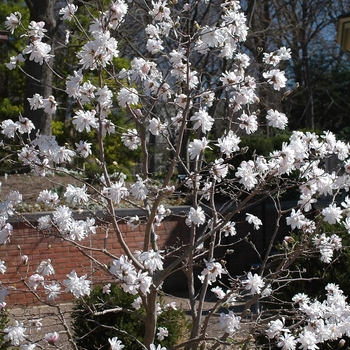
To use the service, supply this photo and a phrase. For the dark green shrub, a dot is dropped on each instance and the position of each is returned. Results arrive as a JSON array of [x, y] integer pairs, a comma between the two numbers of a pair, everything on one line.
[[92, 332], [4, 322]]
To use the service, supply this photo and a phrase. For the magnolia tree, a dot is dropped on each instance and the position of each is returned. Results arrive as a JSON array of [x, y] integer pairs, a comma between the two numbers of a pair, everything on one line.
[[189, 84]]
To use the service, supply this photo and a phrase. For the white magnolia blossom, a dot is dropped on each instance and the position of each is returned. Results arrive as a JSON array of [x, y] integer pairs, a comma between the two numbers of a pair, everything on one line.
[[78, 286], [139, 189], [202, 120], [254, 220], [213, 270], [197, 147], [76, 195], [127, 97], [68, 12], [276, 119], [131, 139], [164, 93], [15, 334], [13, 21], [162, 333], [116, 192], [195, 216], [115, 344], [45, 268], [254, 283], [53, 290], [230, 323]]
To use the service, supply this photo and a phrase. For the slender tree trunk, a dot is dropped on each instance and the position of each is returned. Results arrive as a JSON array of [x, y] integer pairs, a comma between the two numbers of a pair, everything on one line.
[[39, 79], [151, 318]]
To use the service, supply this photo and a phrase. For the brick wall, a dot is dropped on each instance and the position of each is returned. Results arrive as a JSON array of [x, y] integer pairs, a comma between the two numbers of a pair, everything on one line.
[[65, 257]]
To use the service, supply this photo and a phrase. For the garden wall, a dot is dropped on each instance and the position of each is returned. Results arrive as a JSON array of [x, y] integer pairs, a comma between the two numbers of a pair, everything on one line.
[[65, 257]]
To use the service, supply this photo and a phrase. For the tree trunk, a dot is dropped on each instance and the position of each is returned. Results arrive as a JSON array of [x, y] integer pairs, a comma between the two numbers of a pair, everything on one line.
[[39, 79], [151, 318]]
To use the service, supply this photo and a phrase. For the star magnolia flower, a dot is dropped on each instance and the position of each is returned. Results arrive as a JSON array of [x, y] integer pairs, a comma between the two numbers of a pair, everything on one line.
[[160, 11], [296, 219], [229, 143], [68, 12], [35, 280], [52, 290], [276, 78], [195, 216], [229, 229], [36, 102], [247, 172], [254, 283], [219, 293], [252, 219], [9, 128], [152, 260], [15, 334], [136, 304], [202, 120], [131, 139], [127, 96], [85, 120], [287, 341], [134, 222], [139, 190], [162, 333], [196, 147], [229, 323], [156, 127], [77, 285], [308, 340], [115, 343], [219, 170], [118, 9], [14, 60], [213, 270], [332, 214], [25, 125], [248, 122], [116, 192], [45, 268], [275, 328], [49, 104], [13, 21], [39, 52], [76, 195], [276, 119], [84, 148]]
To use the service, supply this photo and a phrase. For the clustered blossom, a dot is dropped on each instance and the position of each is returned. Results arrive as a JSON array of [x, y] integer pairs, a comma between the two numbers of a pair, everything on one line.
[[15, 334], [254, 283], [143, 80], [230, 323], [327, 245], [115, 344], [324, 321], [195, 216], [78, 286], [212, 271], [133, 281]]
